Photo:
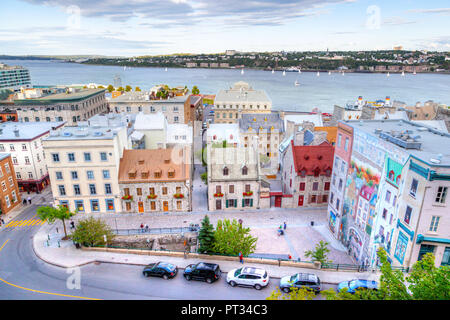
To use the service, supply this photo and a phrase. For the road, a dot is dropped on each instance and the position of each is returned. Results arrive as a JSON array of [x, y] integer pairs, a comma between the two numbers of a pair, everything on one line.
[[25, 276]]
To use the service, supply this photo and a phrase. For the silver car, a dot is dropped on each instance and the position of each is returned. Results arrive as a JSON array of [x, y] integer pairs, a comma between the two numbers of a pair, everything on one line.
[[300, 280], [248, 277]]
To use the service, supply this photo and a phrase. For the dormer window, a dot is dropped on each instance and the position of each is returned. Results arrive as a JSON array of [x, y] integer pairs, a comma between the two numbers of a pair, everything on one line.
[[167, 160], [157, 173], [316, 172], [303, 173], [244, 170], [306, 157], [144, 174], [171, 173], [132, 174], [141, 161], [391, 175]]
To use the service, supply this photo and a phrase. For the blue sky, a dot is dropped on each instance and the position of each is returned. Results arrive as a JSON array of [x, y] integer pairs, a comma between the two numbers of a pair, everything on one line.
[[138, 27]]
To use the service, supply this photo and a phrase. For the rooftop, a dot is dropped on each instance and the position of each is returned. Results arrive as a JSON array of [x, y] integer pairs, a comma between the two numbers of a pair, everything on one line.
[[151, 121], [419, 140], [224, 131], [300, 118], [26, 130], [313, 158], [242, 92], [84, 133], [75, 95], [142, 96], [266, 121], [4, 156], [154, 165]]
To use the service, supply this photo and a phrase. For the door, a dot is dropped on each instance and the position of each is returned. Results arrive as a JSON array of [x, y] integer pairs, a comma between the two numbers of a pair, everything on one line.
[[300, 200], [141, 206], [218, 204], [278, 201], [165, 205]]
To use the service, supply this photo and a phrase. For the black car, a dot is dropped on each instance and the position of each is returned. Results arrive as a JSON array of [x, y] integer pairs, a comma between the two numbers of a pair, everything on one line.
[[208, 272], [160, 269], [301, 280]]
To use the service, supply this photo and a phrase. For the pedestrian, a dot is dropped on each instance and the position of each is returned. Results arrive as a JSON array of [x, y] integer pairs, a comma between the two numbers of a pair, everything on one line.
[[146, 227], [241, 257], [142, 227], [289, 257], [24, 201], [29, 200], [3, 221], [284, 226], [72, 225]]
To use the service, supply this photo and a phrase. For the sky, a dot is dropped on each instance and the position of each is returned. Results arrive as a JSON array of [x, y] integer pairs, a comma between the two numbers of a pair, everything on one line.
[[152, 27]]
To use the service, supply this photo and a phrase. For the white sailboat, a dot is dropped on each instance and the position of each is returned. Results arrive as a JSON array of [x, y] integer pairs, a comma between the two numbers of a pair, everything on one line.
[[242, 71], [318, 74], [273, 71], [284, 72], [403, 73], [329, 72], [414, 73], [299, 71], [388, 75], [296, 83], [165, 69], [124, 68], [343, 73]]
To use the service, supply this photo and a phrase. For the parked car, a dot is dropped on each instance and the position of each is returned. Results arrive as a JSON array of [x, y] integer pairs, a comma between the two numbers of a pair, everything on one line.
[[160, 269], [208, 272], [358, 284], [300, 280], [249, 277]]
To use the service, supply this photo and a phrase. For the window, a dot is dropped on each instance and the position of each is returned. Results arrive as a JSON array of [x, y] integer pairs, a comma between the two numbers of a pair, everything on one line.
[[434, 223], [13, 196], [55, 157], [225, 171], [218, 189], [18, 175], [339, 140], [109, 204], [164, 190], [14, 159], [2, 147], [413, 189], [71, 157], [92, 189], [394, 201], [244, 170], [313, 199], [27, 160], [59, 175], [94, 206], [103, 156], [76, 189], [24, 147], [151, 190], [108, 189], [302, 186], [87, 156], [139, 191], [337, 204], [175, 119], [90, 174], [79, 206], [340, 184], [441, 194], [315, 186], [74, 175], [331, 198], [179, 204], [384, 214], [346, 144], [388, 196], [231, 188], [8, 203], [106, 174], [62, 190], [11, 182], [408, 214], [247, 188], [11, 147], [446, 257]]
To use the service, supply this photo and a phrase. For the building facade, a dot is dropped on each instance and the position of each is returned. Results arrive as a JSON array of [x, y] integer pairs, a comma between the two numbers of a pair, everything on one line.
[[156, 180], [9, 189], [83, 165], [24, 141], [14, 77]]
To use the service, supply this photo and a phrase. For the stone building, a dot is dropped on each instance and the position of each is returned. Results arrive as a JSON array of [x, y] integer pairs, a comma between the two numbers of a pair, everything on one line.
[[157, 180], [9, 190]]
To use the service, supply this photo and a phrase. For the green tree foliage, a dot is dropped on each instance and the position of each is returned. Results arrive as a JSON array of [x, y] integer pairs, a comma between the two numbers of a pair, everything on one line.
[[51, 214], [294, 294], [195, 90], [206, 236], [319, 253], [137, 89], [232, 238], [110, 88], [90, 232], [204, 177], [100, 87], [426, 282], [128, 88], [120, 89]]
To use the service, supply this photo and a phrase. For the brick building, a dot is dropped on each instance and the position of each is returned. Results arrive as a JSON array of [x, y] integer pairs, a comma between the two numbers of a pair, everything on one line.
[[9, 190]]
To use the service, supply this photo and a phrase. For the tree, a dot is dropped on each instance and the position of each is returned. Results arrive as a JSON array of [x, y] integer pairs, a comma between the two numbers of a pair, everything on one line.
[[51, 214], [204, 177], [100, 87], [319, 253], [137, 89], [128, 88], [120, 89], [294, 294], [195, 90], [232, 238], [91, 232], [206, 236], [110, 88]]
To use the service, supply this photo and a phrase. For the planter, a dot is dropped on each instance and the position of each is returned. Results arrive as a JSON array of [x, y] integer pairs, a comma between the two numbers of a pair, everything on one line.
[[127, 198], [247, 194], [218, 195], [152, 196], [178, 196]]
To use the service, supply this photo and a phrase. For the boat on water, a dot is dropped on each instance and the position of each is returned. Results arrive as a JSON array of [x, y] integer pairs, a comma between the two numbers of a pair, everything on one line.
[[242, 71], [414, 73], [388, 75], [296, 83], [165, 69], [124, 68], [299, 71], [284, 72], [318, 74], [273, 71], [403, 73], [329, 72]]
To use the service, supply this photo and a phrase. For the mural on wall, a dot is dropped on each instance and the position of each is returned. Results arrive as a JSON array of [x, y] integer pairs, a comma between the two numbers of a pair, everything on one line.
[[359, 206]]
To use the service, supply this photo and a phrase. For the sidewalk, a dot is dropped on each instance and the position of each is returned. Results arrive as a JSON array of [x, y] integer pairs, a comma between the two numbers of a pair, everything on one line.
[[67, 256]]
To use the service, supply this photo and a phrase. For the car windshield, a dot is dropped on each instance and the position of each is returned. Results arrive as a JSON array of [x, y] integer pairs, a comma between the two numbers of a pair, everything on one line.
[[353, 284], [293, 278], [167, 266], [237, 272]]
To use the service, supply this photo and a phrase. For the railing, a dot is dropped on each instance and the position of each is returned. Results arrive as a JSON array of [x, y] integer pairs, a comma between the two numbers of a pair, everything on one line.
[[357, 268], [126, 232]]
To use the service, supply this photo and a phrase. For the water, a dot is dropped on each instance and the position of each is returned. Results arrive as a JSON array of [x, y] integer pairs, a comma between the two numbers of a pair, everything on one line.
[[324, 91]]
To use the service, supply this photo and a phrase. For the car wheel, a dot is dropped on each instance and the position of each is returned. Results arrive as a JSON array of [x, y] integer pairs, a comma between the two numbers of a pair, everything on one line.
[[232, 283], [258, 287], [165, 277], [285, 290], [209, 280], [188, 277], [146, 274]]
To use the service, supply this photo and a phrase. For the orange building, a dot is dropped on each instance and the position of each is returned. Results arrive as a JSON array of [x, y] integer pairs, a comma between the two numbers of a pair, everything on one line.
[[331, 133], [9, 190], [8, 115]]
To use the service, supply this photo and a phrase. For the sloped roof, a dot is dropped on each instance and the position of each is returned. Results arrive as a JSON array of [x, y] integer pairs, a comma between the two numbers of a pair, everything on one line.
[[311, 158]]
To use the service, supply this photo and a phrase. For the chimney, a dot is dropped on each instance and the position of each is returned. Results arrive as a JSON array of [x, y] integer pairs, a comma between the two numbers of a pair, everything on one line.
[[16, 131]]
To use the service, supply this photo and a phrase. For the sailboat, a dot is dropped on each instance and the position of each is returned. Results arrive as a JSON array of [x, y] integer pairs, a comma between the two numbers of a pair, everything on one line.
[[388, 75], [318, 73], [299, 71], [165, 69], [124, 68], [284, 72], [242, 71], [273, 71], [343, 73], [329, 72], [403, 73], [296, 83], [414, 73]]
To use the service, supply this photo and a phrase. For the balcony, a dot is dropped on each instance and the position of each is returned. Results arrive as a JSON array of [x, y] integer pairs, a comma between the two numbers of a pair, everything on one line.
[[178, 196], [247, 193], [218, 195], [127, 198], [152, 196]]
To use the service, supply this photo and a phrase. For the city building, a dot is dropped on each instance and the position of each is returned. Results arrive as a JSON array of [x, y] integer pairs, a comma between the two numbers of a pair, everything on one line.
[[24, 141], [9, 190], [269, 129], [14, 77], [8, 115], [306, 170], [395, 191], [57, 104], [351, 111], [220, 133], [230, 104], [156, 180], [83, 164], [233, 176]]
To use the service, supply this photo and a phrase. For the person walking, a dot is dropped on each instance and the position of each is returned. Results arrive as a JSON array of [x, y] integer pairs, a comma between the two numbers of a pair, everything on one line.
[[29, 200], [146, 227], [284, 226], [142, 228], [241, 258], [24, 201], [72, 225]]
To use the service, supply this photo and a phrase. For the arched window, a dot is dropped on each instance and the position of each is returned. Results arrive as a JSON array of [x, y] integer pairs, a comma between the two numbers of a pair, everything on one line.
[[397, 180], [225, 171], [391, 175], [244, 170]]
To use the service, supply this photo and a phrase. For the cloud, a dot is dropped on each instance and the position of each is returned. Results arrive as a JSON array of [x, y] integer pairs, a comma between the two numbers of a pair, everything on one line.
[[185, 12], [397, 21], [444, 11]]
